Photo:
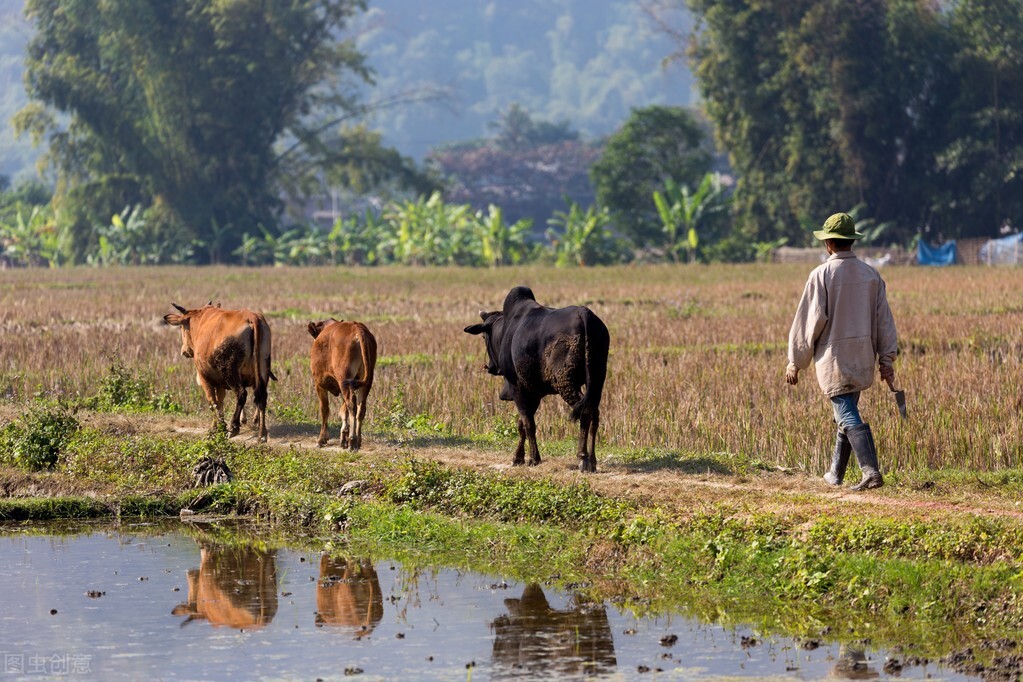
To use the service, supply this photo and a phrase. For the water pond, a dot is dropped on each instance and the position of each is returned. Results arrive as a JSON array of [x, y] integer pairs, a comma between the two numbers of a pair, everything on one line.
[[191, 603]]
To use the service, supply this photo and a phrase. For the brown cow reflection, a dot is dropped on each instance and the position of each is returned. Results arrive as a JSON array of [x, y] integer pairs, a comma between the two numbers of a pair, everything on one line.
[[233, 587], [535, 637], [348, 595]]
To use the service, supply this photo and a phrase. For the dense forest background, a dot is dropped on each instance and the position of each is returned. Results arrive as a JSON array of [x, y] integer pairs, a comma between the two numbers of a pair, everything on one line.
[[582, 61], [311, 131]]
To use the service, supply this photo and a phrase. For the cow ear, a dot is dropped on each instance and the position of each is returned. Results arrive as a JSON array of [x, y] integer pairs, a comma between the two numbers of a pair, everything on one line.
[[315, 328], [173, 320], [475, 329]]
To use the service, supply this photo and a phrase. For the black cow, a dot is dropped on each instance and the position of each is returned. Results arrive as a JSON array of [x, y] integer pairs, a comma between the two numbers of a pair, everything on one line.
[[540, 351]]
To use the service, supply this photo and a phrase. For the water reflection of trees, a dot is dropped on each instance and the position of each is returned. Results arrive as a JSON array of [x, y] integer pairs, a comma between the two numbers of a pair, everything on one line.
[[348, 595], [532, 636], [234, 586]]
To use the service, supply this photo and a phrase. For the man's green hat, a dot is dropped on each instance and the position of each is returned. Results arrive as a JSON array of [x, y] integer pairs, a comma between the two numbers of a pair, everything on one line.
[[838, 226]]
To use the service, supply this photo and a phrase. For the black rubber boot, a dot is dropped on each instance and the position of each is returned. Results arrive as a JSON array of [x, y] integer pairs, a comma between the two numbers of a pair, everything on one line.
[[839, 459], [862, 441]]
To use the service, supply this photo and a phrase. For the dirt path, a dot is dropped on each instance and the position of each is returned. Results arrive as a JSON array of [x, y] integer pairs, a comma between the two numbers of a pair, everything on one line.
[[676, 492], [673, 490]]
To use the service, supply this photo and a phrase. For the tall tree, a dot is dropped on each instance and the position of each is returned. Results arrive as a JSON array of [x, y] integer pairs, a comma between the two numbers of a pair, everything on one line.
[[979, 160], [655, 144], [180, 104], [893, 104]]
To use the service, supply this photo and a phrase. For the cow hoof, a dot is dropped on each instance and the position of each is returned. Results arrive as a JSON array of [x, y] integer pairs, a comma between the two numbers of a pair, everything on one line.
[[233, 432], [320, 443], [534, 462], [518, 462]]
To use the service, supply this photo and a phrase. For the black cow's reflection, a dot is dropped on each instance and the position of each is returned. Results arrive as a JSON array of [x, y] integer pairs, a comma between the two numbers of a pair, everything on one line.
[[234, 587], [348, 595], [534, 637]]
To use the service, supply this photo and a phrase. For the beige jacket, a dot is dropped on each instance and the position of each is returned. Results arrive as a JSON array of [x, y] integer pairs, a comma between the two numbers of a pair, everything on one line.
[[843, 323]]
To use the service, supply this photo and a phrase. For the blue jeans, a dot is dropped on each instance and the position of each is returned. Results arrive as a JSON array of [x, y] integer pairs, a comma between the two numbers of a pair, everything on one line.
[[847, 411]]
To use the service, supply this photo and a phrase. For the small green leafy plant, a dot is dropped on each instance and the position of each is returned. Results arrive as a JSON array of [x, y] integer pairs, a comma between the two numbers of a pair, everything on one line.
[[36, 440]]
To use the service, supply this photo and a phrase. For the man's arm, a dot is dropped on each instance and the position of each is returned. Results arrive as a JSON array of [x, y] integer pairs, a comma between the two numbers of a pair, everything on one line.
[[811, 316], [887, 343]]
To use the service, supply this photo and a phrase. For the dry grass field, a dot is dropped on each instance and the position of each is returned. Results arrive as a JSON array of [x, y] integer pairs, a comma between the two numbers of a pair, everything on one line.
[[697, 352]]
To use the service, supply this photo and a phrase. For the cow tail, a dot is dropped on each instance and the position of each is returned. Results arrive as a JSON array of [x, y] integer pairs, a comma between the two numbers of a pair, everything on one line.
[[594, 380], [356, 384]]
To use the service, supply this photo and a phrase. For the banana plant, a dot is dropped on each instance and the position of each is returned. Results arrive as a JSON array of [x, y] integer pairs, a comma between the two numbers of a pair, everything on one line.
[[499, 242], [581, 237], [31, 240], [683, 212]]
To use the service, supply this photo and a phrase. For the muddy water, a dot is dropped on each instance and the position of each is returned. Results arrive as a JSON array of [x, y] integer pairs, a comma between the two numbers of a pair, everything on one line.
[[138, 603]]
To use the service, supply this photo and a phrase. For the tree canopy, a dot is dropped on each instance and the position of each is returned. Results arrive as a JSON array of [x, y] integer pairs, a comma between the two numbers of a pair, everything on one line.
[[908, 107], [654, 145], [196, 109]]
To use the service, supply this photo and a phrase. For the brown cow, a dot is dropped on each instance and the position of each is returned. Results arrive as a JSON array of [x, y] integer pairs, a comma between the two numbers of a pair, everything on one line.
[[233, 587], [231, 350], [348, 595], [342, 359]]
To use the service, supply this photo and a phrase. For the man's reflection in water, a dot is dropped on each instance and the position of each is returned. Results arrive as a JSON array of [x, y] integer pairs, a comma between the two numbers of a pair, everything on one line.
[[234, 587], [534, 637], [348, 595], [852, 664]]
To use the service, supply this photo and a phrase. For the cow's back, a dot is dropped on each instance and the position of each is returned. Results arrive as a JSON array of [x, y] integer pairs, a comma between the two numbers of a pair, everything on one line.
[[225, 347], [343, 352], [548, 349]]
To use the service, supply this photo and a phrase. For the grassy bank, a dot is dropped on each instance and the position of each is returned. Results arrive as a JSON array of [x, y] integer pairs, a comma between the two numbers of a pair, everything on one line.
[[734, 543]]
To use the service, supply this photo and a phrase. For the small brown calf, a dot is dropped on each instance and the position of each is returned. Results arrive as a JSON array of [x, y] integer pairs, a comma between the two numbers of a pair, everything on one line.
[[342, 360]]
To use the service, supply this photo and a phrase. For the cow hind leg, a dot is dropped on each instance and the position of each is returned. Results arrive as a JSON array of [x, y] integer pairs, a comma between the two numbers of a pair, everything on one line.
[[259, 398], [346, 416], [582, 452], [324, 397], [362, 395], [589, 461], [241, 396], [358, 411]]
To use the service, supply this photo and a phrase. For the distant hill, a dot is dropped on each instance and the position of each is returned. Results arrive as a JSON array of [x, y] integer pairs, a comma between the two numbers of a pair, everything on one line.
[[16, 155], [585, 61]]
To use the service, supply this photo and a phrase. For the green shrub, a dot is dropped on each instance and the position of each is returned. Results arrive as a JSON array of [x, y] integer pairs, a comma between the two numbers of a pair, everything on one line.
[[35, 441], [120, 390]]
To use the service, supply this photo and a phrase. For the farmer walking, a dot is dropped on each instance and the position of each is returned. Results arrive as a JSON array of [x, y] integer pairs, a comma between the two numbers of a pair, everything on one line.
[[843, 323]]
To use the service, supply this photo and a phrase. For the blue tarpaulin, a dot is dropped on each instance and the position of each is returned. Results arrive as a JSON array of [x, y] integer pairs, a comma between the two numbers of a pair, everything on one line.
[[936, 255], [1004, 251]]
